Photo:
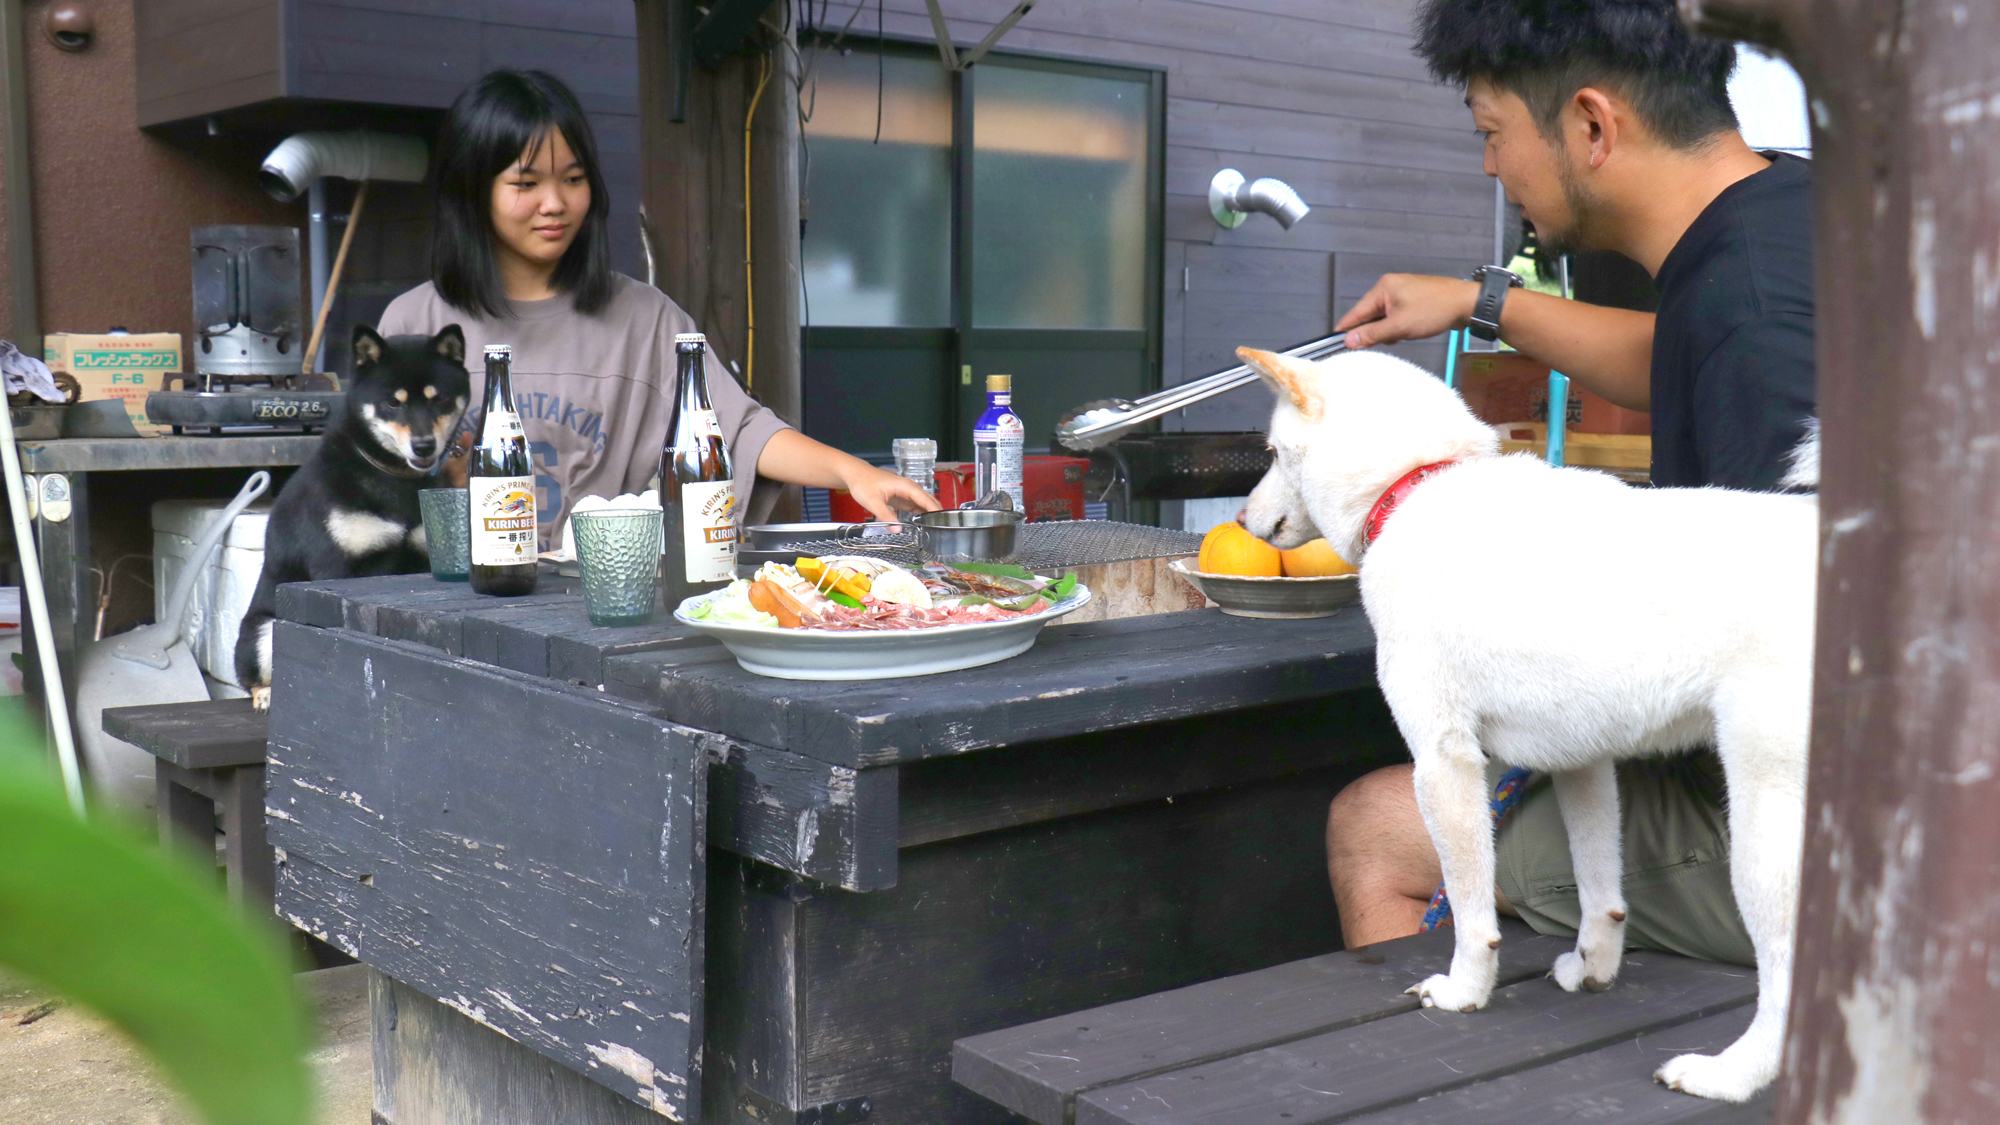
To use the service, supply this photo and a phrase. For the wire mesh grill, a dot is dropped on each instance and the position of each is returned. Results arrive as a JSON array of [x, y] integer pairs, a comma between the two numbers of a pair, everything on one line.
[[1047, 545]]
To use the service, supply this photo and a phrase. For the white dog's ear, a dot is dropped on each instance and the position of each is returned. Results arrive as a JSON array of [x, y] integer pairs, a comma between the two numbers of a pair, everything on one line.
[[1287, 375]]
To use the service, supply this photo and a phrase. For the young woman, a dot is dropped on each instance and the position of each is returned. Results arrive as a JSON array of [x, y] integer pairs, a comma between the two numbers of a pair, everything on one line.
[[520, 256]]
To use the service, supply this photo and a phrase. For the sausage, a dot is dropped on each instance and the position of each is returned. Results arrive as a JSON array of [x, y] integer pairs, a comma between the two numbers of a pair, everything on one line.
[[764, 597]]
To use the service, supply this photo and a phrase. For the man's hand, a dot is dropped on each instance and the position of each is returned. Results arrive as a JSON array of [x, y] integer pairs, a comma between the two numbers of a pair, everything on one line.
[[883, 492], [1407, 306]]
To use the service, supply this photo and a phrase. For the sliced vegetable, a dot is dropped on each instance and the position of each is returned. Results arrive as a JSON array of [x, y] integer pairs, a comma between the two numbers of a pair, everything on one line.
[[827, 579], [998, 570], [839, 598]]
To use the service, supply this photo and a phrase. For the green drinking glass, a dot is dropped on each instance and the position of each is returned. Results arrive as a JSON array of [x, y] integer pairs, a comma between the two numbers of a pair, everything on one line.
[[447, 523], [618, 555]]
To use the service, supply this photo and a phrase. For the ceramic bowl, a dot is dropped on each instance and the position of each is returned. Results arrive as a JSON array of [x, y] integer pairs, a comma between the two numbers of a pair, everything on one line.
[[1273, 597]]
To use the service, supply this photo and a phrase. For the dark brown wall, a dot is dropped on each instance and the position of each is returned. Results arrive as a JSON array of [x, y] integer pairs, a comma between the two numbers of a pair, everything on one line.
[[1323, 94], [113, 205]]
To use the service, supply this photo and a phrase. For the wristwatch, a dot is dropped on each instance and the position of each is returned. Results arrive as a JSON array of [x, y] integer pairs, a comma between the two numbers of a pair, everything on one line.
[[1493, 285]]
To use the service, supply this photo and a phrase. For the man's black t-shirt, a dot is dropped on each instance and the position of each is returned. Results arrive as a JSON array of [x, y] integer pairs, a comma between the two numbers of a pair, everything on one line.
[[1733, 374]]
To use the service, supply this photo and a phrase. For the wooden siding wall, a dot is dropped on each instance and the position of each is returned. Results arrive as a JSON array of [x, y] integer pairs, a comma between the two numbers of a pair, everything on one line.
[[1323, 94], [271, 67]]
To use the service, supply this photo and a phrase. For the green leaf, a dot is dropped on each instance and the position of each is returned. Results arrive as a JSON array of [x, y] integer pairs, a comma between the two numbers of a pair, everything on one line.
[[96, 913], [838, 598], [997, 570], [1063, 586]]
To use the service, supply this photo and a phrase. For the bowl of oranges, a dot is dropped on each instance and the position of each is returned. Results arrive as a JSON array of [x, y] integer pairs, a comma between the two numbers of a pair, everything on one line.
[[1248, 577]]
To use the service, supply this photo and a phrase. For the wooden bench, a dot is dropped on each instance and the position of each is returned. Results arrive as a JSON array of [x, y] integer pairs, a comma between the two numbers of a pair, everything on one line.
[[210, 756], [1335, 1038]]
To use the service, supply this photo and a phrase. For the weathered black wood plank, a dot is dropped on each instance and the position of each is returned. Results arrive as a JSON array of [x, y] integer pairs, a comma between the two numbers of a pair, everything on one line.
[[1614, 1084], [826, 822], [527, 854], [514, 634], [543, 634], [434, 1066], [577, 657], [204, 734], [995, 930], [945, 798], [1344, 1074], [311, 603], [1038, 1069], [1077, 678]]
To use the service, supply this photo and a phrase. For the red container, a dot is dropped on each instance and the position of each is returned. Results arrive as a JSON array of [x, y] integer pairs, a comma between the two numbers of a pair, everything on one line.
[[1052, 487]]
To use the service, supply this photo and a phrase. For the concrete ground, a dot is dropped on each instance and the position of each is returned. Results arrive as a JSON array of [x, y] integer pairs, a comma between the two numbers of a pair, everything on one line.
[[66, 1066]]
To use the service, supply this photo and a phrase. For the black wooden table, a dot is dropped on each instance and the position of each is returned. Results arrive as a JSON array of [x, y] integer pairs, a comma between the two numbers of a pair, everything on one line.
[[1130, 806]]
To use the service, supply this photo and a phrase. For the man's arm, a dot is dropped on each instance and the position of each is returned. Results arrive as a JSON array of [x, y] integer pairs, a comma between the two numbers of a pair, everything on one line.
[[1609, 352]]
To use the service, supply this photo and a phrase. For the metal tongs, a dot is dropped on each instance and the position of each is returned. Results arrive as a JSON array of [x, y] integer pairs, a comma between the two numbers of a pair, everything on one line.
[[1102, 424]]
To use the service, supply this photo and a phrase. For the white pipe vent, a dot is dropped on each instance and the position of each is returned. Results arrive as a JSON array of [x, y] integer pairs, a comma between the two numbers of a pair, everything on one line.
[[355, 155]]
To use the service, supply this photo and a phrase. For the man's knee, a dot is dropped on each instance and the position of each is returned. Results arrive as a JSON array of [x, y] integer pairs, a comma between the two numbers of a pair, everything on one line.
[[1369, 805]]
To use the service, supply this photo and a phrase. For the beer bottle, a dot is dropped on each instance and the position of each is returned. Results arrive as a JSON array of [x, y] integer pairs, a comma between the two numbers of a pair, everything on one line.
[[502, 484], [697, 491]]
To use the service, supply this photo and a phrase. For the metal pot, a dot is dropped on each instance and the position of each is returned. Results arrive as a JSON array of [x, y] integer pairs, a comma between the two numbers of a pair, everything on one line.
[[967, 535]]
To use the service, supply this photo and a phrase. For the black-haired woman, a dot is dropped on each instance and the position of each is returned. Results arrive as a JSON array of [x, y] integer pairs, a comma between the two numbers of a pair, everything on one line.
[[520, 255]]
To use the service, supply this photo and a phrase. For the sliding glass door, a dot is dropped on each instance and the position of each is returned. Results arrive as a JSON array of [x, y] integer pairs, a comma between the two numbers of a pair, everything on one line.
[[1002, 220]]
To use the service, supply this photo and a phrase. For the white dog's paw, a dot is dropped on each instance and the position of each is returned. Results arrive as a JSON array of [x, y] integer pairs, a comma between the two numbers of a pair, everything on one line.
[[260, 698], [1441, 991], [1573, 971], [1711, 1076]]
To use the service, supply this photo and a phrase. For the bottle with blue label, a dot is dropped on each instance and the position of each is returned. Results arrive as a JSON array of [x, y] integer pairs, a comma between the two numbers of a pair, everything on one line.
[[997, 441]]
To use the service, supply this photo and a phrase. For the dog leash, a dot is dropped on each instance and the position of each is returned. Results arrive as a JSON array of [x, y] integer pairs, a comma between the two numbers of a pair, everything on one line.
[[1507, 794]]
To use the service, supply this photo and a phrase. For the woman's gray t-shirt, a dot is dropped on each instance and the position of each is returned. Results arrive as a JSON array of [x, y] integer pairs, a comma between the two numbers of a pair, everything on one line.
[[594, 392]]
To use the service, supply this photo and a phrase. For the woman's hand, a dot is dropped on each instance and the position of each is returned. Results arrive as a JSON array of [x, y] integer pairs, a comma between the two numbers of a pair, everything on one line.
[[883, 493], [794, 458]]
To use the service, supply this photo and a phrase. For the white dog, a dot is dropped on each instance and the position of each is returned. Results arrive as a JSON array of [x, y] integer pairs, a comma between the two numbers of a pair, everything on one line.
[[1560, 620]]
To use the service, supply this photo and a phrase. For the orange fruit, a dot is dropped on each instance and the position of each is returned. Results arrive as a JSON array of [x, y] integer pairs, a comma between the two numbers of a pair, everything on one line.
[[1229, 548], [1314, 560]]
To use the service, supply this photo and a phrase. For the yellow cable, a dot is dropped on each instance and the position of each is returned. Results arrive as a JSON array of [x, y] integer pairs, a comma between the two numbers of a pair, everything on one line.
[[749, 283]]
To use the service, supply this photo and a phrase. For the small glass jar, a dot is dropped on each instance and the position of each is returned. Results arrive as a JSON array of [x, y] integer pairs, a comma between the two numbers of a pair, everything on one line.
[[916, 461]]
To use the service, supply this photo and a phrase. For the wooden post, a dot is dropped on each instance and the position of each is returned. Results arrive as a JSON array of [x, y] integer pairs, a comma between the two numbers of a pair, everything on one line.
[[693, 187], [24, 323], [1897, 1002]]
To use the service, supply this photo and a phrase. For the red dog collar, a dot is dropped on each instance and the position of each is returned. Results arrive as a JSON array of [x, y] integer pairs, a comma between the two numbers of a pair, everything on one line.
[[1393, 497]]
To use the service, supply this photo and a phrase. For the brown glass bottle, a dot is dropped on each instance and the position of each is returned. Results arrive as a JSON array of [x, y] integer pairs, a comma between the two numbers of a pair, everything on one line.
[[697, 490], [502, 483]]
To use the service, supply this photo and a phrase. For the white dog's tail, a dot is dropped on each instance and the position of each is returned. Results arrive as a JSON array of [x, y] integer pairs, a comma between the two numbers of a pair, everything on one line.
[[1804, 458]]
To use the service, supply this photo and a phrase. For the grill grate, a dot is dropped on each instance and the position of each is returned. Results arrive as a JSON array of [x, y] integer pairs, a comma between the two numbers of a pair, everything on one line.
[[1048, 545]]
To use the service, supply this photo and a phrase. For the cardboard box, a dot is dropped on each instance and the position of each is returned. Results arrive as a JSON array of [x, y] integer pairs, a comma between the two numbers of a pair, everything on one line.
[[1503, 387], [127, 367]]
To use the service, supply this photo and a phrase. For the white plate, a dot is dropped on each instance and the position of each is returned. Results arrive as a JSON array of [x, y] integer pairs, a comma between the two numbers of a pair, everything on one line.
[[816, 654]]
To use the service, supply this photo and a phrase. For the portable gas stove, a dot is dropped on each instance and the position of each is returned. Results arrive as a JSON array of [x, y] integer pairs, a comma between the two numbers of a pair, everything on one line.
[[249, 340]]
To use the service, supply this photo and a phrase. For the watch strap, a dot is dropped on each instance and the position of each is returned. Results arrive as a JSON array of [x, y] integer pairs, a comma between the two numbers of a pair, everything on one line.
[[1493, 285]]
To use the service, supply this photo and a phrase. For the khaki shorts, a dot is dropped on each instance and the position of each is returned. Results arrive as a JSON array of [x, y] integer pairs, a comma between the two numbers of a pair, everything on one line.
[[1676, 852]]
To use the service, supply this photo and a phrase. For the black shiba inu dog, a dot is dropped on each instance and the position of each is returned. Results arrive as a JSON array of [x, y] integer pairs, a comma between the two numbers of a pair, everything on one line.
[[351, 510]]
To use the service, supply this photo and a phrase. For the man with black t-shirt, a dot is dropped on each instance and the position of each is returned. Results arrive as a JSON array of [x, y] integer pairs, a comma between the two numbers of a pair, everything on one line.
[[1611, 126]]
